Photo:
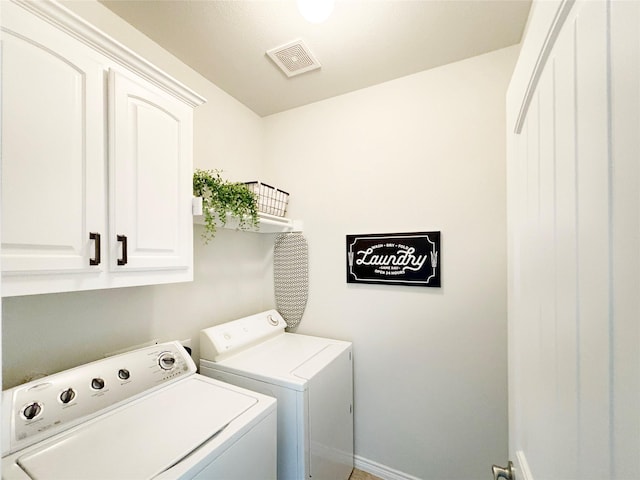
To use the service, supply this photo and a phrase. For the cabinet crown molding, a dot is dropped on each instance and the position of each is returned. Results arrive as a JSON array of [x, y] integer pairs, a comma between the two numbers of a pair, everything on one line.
[[80, 29]]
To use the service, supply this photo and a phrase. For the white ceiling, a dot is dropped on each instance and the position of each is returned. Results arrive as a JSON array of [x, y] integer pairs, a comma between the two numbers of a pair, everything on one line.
[[363, 43]]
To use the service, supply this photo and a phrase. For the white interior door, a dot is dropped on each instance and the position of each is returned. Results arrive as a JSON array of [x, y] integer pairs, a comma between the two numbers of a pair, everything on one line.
[[574, 243]]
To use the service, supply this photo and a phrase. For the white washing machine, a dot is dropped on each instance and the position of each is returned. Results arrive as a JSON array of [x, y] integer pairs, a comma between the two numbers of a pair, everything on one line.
[[144, 414], [312, 379]]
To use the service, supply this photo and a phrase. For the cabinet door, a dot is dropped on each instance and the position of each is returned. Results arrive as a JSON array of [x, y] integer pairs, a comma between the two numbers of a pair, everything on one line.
[[150, 177], [53, 159]]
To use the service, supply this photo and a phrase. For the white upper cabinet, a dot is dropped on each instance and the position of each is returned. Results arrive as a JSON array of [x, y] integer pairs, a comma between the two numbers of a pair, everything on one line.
[[96, 154]]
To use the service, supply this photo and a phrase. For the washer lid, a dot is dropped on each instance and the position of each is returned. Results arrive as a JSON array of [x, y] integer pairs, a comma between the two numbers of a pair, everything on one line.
[[142, 439]]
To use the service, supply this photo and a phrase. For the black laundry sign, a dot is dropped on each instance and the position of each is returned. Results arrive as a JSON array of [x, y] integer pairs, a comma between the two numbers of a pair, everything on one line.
[[394, 258]]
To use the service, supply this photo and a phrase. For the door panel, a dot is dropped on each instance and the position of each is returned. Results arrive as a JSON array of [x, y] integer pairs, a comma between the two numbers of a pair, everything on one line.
[[157, 192], [625, 234], [566, 283], [52, 180], [150, 181], [573, 205], [594, 249], [331, 420]]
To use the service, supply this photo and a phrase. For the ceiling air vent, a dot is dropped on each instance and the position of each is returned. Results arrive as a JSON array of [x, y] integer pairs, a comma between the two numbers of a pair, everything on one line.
[[294, 58]]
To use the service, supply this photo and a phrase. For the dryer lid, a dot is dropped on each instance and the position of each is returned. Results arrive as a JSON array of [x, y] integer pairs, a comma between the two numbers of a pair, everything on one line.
[[289, 360], [142, 439]]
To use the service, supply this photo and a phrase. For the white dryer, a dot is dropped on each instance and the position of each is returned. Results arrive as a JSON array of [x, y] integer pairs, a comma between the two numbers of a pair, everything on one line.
[[144, 414], [312, 379]]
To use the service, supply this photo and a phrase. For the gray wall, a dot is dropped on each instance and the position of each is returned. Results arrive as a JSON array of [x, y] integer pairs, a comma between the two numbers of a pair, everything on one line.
[[425, 152]]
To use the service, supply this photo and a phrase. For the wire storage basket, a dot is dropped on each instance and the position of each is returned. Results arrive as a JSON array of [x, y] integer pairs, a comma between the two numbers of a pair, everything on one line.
[[272, 201]]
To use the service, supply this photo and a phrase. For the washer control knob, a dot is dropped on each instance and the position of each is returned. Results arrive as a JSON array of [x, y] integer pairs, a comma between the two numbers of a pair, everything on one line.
[[67, 395], [272, 321], [166, 361], [32, 410], [97, 383], [123, 374]]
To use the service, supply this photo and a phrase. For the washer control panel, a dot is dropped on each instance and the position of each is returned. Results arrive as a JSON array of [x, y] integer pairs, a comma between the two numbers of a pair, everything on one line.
[[226, 339], [47, 406]]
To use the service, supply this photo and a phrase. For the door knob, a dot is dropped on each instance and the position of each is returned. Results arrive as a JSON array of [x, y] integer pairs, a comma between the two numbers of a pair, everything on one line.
[[501, 472]]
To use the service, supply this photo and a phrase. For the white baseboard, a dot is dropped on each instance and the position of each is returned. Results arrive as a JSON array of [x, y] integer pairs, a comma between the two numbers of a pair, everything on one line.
[[382, 471]]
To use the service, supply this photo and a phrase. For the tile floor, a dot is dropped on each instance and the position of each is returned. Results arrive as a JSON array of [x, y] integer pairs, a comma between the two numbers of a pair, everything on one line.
[[360, 475]]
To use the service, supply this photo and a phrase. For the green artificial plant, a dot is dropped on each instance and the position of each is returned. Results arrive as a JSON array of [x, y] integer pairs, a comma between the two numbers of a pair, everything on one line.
[[221, 198]]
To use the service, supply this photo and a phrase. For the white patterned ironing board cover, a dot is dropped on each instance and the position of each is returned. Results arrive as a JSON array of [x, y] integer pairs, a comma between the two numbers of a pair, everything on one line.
[[291, 276]]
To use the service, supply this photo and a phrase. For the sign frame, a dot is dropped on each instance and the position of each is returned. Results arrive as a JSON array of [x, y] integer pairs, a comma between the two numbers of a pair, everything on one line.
[[410, 259]]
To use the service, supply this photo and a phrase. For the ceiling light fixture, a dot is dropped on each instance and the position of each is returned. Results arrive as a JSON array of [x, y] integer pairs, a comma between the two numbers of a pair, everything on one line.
[[315, 11]]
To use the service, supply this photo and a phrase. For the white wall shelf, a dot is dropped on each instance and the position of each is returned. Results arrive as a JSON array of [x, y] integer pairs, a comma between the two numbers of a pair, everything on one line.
[[266, 224]]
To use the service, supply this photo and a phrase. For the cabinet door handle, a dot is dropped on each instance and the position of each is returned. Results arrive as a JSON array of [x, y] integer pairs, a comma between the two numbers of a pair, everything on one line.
[[123, 239], [96, 259]]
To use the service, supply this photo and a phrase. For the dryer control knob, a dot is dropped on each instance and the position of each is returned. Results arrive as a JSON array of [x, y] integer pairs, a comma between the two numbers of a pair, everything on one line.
[[97, 383], [67, 395], [272, 321], [124, 374], [32, 410], [166, 361]]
